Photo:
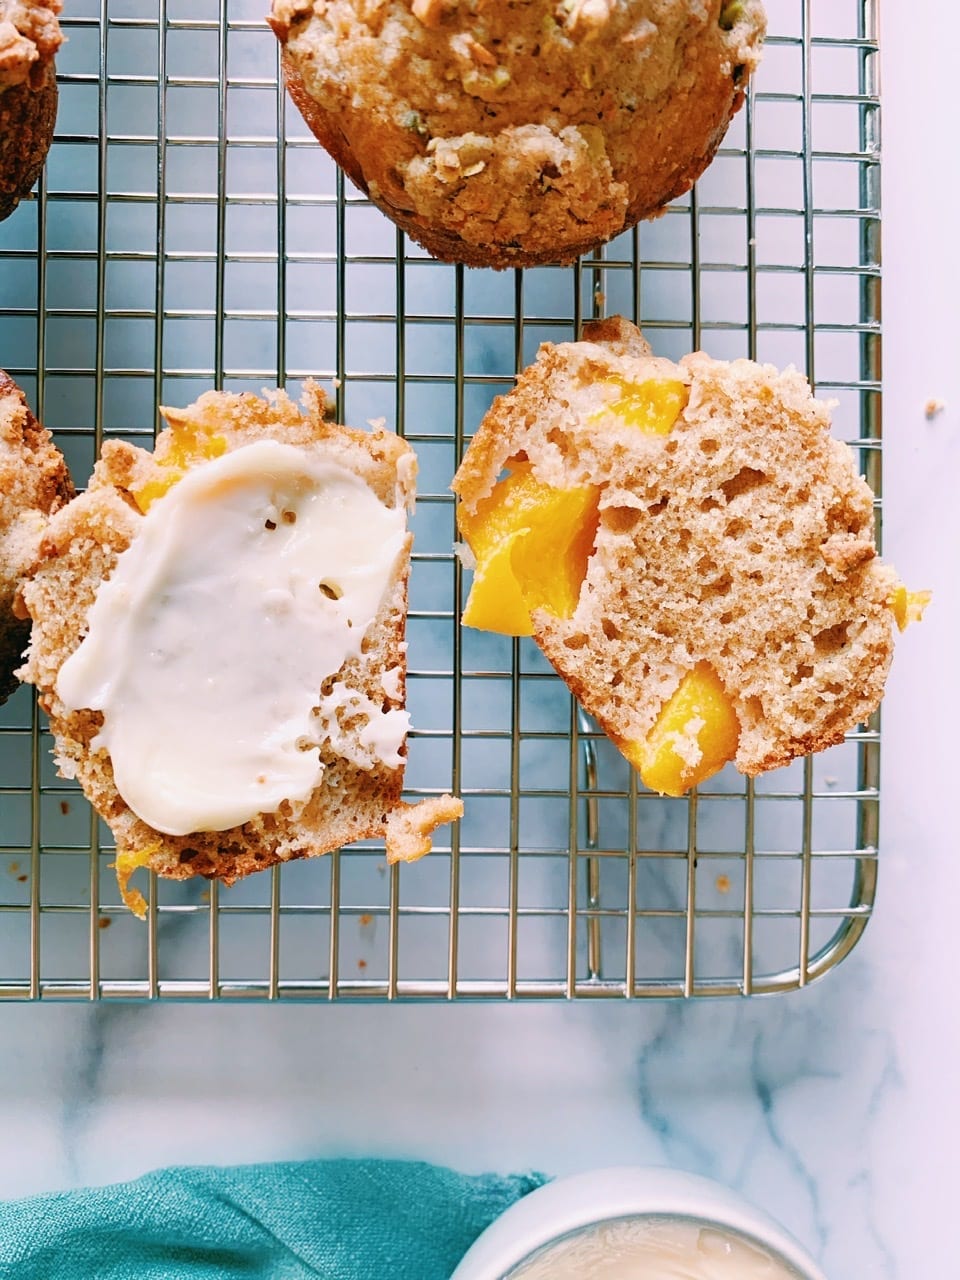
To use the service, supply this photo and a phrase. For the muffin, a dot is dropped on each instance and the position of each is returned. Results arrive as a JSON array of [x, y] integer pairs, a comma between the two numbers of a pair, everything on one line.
[[507, 134], [29, 38], [33, 485], [218, 641], [691, 549]]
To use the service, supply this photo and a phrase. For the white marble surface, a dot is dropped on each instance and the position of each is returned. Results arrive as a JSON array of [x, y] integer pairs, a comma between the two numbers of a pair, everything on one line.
[[836, 1108]]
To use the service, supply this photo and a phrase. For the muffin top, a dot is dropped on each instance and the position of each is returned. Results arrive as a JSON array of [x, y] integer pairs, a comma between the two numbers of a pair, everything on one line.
[[510, 132]]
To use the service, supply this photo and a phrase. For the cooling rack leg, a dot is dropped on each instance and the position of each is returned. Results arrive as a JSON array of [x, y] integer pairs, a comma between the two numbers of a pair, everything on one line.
[[588, 753]]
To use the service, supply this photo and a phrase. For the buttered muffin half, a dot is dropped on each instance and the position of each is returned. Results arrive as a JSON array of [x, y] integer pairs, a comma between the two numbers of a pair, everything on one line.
[[691, 549], [218, 639], [507, 133]]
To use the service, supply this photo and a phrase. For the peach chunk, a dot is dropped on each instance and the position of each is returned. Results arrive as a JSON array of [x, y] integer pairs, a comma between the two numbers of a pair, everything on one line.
[[908, 606], [125, 866], [695, 735], [496, 600], [532, 544], [652, 406], [188, 444]]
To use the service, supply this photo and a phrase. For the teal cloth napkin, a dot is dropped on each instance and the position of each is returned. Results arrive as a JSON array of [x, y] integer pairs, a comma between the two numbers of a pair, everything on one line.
[[338, 1219]]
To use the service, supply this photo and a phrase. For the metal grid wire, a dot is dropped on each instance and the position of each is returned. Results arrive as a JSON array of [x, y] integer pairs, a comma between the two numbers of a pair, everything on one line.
[[189, 233]]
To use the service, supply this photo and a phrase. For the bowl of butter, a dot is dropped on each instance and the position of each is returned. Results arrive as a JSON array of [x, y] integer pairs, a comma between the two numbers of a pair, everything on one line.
[[636, 1224]]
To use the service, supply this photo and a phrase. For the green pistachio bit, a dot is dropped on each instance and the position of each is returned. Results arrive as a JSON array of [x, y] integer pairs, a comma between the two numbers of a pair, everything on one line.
[[731, 13], [414, 122]]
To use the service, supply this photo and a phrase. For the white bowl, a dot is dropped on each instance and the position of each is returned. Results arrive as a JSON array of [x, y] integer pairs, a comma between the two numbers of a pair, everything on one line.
[[584, 1199]]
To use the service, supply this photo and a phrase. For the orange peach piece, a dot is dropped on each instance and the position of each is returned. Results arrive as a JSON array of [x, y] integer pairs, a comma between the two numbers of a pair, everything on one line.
[[695, 735], [496, 602], [532, 543], [652, 406], [908, 606], [188, 446]]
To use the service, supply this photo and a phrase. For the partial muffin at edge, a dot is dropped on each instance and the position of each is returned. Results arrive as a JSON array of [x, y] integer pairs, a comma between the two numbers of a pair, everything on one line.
[[30, 36], [34, 483]]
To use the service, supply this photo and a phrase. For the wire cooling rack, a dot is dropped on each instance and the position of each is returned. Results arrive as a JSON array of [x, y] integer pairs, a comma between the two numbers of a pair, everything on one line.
[[189, 233]]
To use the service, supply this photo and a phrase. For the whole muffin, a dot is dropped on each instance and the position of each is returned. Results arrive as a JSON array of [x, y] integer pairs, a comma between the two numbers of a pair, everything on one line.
[[29, 38], [507, 133]]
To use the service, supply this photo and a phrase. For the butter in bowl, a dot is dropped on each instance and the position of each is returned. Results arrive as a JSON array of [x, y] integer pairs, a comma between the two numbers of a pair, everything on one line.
[[636, 1224]]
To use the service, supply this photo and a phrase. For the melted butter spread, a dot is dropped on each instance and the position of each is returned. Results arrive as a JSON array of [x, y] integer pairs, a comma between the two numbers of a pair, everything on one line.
[[250, 584]]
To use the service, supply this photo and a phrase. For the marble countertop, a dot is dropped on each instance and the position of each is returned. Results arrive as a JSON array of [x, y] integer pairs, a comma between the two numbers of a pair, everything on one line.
[[834, 1108]]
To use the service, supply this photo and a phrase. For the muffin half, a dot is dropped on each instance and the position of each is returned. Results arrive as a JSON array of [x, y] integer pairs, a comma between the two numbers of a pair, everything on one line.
[[218, 639], [690, 548]]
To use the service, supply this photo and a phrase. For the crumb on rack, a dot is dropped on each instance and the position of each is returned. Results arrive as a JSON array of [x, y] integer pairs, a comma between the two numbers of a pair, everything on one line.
[[932, 408]]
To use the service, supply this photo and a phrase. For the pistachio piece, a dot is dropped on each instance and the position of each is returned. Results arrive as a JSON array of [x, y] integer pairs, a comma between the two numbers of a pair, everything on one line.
[[731, 13], [413, 121]]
